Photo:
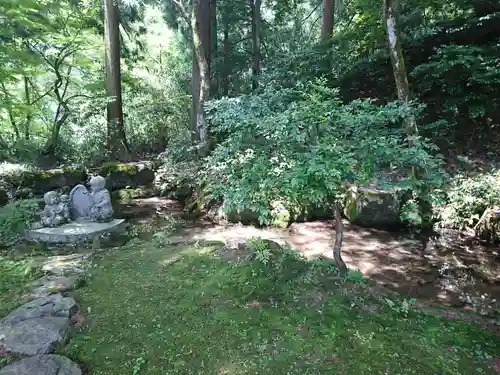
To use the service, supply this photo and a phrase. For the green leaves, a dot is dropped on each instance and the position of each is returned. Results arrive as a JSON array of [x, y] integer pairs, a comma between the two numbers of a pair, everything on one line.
[[300, 146]]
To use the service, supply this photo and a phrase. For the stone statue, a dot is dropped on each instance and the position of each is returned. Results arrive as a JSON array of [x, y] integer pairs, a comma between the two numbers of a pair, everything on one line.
[[64, 207], [84, 215], [101, 210], [52, 214], [80, 205]]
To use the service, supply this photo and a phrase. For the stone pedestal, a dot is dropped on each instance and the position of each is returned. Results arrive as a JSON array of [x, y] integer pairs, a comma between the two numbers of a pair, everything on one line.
[[74, 232]]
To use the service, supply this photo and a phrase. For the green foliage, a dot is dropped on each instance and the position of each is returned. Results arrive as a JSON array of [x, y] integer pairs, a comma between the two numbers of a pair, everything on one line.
[[467, 198], [14, 274], [300, 146], [401, 307], [15, 218], [462, 86]]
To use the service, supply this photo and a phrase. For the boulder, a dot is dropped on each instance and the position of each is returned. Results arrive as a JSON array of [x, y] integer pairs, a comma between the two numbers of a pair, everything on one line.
[[37, 327], [176, 181], [372, 207], [128, 175], [48, 364], [38, 182], [34, 336], [123, 196], [51, 306]]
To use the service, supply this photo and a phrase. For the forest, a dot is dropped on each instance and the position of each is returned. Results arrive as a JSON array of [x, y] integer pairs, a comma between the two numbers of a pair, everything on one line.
[[379, 119]]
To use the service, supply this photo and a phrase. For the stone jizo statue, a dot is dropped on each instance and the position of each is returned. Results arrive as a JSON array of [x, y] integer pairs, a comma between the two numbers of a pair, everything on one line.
[[63, 207], [101, 210], [80, 205], [53, 214]]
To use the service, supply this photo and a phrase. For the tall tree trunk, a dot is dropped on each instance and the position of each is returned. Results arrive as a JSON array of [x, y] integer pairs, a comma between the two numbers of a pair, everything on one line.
[[398, 66], [117, 141], [214, 87], [195, 93], [403, 92], [255, 6], [225, 63], [200, 24], [327, 19]]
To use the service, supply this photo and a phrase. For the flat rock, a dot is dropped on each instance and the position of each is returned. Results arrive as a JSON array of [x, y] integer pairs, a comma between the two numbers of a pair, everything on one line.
[[48, 364], [34, 336], [61, 265], [51, 306], [73, 232], [52, 284]]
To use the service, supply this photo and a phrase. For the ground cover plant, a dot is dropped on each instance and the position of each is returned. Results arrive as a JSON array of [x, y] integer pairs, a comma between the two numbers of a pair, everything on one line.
[[202, 314]]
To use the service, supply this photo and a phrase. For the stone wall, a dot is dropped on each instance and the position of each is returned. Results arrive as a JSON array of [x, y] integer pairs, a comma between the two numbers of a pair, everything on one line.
[[29, 183]]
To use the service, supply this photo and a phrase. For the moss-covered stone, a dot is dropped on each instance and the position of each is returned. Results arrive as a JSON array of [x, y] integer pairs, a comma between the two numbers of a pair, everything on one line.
[[372, 207], [37, 182], [127, 195], [127, 175]]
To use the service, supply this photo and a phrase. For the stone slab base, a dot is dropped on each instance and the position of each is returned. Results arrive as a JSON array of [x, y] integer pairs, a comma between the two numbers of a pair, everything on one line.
[[74, 231]]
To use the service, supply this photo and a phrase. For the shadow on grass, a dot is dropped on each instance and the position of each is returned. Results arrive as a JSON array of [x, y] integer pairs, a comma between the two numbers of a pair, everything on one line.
[[183, 310]]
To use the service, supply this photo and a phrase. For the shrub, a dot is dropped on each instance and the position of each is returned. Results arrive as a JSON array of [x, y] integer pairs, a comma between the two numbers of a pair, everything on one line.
[[300, 146], [467, 198], [15, 218]]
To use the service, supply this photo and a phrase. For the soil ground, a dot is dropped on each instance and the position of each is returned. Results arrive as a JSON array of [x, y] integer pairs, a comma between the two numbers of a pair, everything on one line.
[[451, 270]]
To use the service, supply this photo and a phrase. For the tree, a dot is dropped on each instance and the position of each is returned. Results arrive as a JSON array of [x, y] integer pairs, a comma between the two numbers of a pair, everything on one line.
[[117, 141], [200, 23], [255, 6], [398, 66], [327, 19]]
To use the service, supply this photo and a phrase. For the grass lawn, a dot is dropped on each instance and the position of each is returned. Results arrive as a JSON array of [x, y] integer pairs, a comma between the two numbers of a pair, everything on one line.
[[14, 274], [166, 311]]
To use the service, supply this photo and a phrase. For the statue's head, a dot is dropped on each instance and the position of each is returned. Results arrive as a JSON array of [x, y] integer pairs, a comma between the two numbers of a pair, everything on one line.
[[97, 183], [64, 198], [51, 198]]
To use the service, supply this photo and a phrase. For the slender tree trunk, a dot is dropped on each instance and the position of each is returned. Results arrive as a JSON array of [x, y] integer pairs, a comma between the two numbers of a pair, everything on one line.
[[225, 62], [339, 236], [327, 19], [117, 141], [200, 24], [255, 6], [195, 92], [403, 92], [398, 65], [214, 87], [28, 103], [14, 125]]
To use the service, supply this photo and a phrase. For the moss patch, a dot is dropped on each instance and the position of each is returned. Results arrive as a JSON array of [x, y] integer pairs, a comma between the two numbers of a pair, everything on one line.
[[127, 195], [113, 167], [181, 310], [40, 181]]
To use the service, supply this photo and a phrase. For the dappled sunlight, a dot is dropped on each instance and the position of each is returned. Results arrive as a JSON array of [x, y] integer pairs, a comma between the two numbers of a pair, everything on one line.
[[401, 263]]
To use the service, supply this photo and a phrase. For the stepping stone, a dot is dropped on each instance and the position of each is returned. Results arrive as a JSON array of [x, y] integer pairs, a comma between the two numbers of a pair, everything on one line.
[[53, 284], [63, 265], [74, 232], [34, 336], [49, 364], [54, 305], [37, 327]]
